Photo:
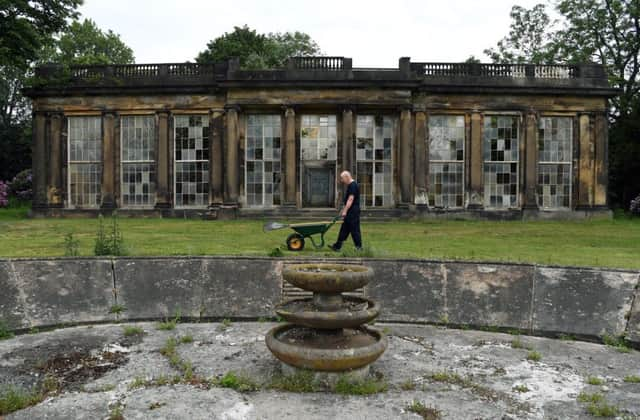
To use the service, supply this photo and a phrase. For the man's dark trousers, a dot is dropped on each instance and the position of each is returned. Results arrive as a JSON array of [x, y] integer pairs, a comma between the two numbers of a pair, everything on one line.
[[350, 226]]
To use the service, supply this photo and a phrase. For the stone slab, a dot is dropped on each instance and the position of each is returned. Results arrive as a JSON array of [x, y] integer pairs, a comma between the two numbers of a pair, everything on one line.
[[489, 294], [408, 291], [11, 309], [582, 301], [633, 326], [152, 288], [65, 291]]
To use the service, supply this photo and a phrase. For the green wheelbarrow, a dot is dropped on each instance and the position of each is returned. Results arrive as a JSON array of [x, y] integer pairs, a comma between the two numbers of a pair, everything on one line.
[[302, 231]]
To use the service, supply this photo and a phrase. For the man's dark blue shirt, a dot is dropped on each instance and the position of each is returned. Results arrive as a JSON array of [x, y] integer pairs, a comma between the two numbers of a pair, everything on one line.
[[353, 189]]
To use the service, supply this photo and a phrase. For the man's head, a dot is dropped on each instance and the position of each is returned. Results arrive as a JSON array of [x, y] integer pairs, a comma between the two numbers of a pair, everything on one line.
[[345, 177]]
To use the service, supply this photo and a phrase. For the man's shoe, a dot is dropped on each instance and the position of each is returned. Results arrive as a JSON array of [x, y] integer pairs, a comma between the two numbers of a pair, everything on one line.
[[359, 249], [334, 248]]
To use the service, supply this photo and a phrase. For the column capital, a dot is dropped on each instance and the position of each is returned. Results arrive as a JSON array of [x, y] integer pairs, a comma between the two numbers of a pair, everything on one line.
[[109, 113], [419, 108], [289, 110], [346, 108], [216, 110], [163, 113], [232, 107]]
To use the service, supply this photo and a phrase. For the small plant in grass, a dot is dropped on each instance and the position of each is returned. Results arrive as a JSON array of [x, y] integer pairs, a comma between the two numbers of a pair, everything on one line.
[[426, 412], [300, 381], [5, 332], [117, 309], [132, 331], [408, 385], [109, 241], [276, 252], [534, 356], [634, 379], [71, 245], [13, 399], [169, 324], [521, 388], [594, 380], [240, 383], [617, 343], [186, 339], [367, 386]]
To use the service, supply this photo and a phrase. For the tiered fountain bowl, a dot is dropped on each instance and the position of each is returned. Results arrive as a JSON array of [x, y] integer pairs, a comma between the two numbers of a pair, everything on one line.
[[327, 332]]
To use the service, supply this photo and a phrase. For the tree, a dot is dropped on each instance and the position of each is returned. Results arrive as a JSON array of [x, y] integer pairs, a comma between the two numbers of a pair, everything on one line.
[[80, 43], [258, 51], [530, 38], [85, 43], [602, 31], [27, 25]]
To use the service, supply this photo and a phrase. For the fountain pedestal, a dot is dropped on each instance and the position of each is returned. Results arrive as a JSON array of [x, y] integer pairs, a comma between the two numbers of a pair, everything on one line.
[[326, 333]]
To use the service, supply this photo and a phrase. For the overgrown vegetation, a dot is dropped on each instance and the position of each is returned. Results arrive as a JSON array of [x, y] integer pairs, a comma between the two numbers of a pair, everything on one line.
[[597, 405], [169, 324], [617, 343], [71, 245], [109, 241], [426, 412], [13, 398], [238, 382], [300, 381]]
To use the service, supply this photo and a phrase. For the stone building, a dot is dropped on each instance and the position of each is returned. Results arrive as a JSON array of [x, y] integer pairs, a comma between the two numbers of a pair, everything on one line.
[[489, 140]]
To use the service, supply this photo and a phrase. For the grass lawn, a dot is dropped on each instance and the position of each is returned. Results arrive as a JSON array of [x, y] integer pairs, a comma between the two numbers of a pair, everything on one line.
[[605, 243]]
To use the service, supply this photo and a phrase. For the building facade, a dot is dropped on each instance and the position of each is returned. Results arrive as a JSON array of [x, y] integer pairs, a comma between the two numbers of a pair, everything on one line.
[[462, 139]]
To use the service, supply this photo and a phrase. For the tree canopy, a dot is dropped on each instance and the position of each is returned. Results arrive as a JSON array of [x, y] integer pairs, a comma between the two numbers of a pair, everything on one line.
[[258, 51], [601, 31]]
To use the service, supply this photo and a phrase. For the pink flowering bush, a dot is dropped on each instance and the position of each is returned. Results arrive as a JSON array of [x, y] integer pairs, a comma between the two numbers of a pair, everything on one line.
[[634, 208], [4, 194]]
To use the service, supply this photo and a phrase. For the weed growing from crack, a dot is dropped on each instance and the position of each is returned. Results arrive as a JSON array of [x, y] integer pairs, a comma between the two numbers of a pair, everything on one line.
[[169, 324], [367, 386], [238, 382], [534, 356], [617, 343], [634, 379], [521, 388], [131, 331], [426, 412], [594, 380]]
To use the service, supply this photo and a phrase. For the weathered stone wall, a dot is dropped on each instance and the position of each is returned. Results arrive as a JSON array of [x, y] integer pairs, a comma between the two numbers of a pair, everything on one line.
[[537, 299]]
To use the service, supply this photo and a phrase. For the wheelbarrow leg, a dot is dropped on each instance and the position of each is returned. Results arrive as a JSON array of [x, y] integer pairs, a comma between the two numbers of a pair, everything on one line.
[[321, 244]]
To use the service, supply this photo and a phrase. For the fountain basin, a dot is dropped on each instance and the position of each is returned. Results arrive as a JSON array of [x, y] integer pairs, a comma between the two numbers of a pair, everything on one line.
[[355, 311], [329, 351], [327, 278]]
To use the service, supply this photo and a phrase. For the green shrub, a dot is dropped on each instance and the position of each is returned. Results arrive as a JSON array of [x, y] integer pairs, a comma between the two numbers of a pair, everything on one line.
[[71, 246], [109, 241]]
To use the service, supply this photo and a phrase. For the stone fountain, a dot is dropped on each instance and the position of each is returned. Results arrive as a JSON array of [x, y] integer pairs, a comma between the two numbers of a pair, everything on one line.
[[326, 333]]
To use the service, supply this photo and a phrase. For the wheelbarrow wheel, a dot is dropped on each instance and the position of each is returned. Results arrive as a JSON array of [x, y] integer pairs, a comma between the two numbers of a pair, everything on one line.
[[295, 242]]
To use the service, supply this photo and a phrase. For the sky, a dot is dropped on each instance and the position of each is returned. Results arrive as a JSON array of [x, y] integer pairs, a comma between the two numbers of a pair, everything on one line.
[[374, 33]]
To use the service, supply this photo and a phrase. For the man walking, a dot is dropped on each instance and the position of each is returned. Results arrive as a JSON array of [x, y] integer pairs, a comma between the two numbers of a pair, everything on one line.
[[350, 213]]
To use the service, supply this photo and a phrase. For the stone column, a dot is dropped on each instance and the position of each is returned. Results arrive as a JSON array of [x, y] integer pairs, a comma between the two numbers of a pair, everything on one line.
[[163, 197], [347, 141], [421, 159], [39, 153], [55, 161], [108, 160], [406, 150], [601, 158], [531, 161], [216, 161], [476, 163], [585, 171], [232, 174], [290, 158]]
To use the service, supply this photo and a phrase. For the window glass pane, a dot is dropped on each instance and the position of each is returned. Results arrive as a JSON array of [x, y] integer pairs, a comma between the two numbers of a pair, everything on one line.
[[318, 137], [446, 161], [500, 151], [85, 161], [138, 143], [374, 145], [263, 149], [191, 160], [555, 136]]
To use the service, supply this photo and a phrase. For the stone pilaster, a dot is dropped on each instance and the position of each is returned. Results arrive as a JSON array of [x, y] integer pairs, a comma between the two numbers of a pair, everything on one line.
[[475, 200], [290, 158], [108, 160], [39, 153], [55, 190], [601, 158], [406, 151], [216, 152], [421, 159], [232, 164], [585, 167], [347, 141], [163, 196], [531, 161]]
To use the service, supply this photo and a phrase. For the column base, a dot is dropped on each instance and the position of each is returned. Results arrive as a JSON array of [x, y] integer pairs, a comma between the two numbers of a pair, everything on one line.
[[227, 212]]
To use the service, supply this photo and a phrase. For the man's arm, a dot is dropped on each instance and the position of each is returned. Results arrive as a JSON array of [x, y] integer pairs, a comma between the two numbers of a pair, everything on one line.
[[347, 206]]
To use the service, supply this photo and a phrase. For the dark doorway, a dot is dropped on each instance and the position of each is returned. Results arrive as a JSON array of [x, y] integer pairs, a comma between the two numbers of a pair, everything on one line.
[[318, 186]]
